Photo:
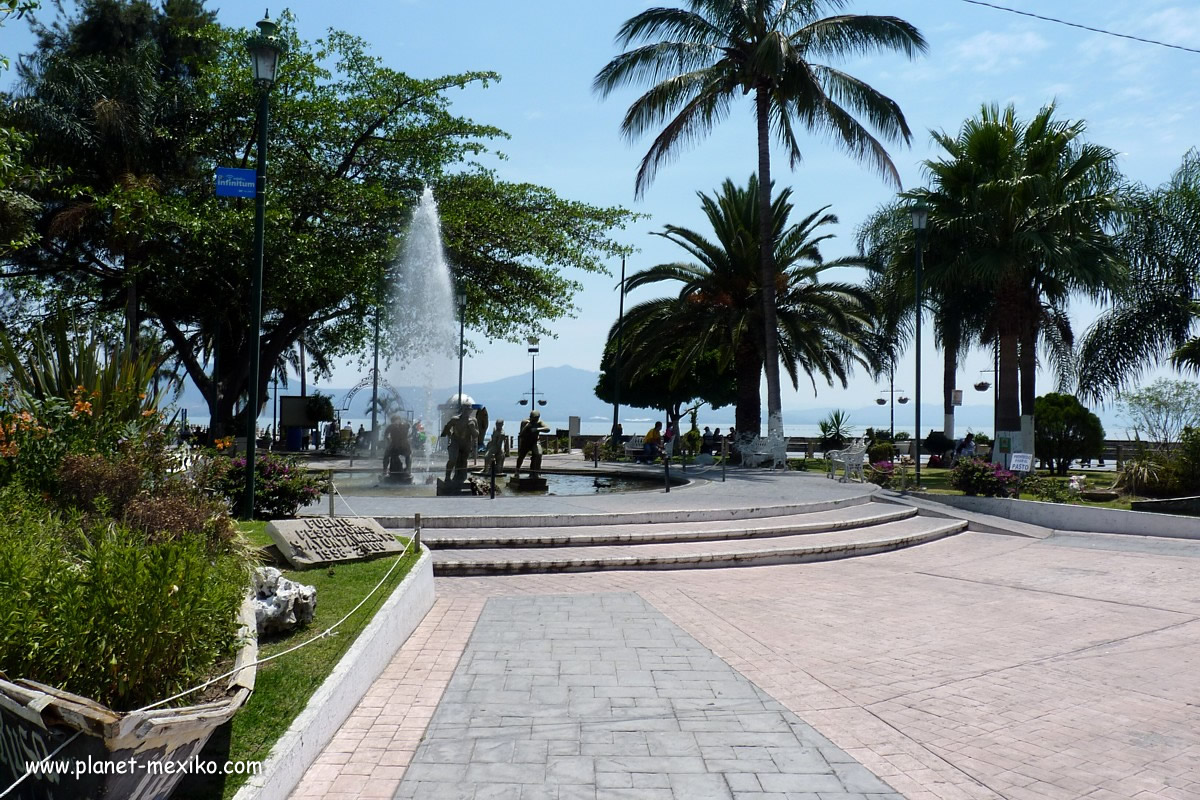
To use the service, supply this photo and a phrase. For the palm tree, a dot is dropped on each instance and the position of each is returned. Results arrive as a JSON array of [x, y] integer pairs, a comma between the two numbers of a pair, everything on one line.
[[1158, 314], [700, 58], [887, 244], [821, 327], [1027, 205]]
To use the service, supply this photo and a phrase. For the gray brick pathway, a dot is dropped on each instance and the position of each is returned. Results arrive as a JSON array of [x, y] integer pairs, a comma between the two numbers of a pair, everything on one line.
[[601, 697]]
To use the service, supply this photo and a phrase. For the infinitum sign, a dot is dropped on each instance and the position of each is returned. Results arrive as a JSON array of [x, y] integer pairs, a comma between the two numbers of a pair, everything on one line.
[[234, 182]]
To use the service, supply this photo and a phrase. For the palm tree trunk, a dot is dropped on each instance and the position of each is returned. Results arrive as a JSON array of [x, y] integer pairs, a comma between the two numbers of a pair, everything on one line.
[[1008, 422], [747, 364], [949, 370], [767, 276], [1028, 386]]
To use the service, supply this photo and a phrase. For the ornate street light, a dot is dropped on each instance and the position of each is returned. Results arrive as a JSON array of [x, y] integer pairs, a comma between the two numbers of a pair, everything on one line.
[[265, 51], [533, 353], [920, 220]]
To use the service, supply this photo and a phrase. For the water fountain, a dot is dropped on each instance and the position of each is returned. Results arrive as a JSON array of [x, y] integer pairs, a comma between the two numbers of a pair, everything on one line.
[[424, 323], [424, 327]]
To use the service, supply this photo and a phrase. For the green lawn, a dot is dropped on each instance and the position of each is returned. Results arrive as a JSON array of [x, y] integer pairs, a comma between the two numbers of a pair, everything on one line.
[[282, 687]]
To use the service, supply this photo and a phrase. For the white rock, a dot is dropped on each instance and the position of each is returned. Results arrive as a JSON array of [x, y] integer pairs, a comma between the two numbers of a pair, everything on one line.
[[281, 604]]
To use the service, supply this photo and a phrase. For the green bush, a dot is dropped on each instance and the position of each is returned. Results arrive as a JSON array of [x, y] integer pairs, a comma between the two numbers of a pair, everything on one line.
[[881, 452], [1045, 489], [937, 443], [1189, 460], [281, 484], [94, 609], [977, 477]]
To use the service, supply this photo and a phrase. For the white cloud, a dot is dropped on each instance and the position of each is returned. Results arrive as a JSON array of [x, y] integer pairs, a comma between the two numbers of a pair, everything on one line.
[[998, 52], [1176, 25]]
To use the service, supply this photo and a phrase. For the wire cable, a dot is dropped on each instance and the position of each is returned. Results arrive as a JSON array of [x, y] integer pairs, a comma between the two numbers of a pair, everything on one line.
[[1131, 37]]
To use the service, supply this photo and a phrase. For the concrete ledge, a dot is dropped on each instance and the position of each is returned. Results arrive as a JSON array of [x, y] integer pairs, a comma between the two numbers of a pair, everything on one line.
[[1064, 517], [616, 518], [332, 703], [600, 535], [981, 523], [760, 557]]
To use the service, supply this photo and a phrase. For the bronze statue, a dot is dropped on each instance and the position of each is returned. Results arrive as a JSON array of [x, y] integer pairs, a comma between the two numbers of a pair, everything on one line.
[[497, 449], [396, 445], [527, 443], [460, 437], [481, 426]]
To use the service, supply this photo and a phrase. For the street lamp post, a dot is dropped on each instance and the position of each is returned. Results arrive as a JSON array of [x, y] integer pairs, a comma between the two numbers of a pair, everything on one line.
[[265, 51], [920, 220], [533, 353], [617, 359], [462, 331]]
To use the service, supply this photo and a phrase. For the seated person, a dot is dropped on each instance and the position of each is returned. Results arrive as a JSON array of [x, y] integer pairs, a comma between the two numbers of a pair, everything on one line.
[[652, 443], [966, 448], [706, 441]]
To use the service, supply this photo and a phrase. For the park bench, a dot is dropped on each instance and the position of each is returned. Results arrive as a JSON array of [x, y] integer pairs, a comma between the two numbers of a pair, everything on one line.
[[757, 451], [850, 459], [634, 447]]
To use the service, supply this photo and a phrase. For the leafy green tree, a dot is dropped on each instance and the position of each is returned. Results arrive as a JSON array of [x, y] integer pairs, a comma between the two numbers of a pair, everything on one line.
[[700, 59], [1028, 205], [1157, 313], [1066, 430], [1161, 411], [353, 143], [662, 386], [821, 326]]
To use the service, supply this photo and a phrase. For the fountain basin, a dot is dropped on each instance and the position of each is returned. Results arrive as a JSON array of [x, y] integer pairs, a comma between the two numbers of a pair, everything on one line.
[[371, 483]]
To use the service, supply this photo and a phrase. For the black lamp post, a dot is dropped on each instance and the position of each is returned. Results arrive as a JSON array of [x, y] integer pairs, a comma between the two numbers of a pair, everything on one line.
[[462, 330], [920, 220], [617, 359], [265, 51], [533, 352]]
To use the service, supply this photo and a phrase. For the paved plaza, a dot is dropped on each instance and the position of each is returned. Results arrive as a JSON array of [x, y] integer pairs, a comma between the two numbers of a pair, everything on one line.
[[978, 666]]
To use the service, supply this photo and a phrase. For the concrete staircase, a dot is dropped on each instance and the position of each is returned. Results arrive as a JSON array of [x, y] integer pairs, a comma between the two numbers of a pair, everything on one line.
[[785, 534]]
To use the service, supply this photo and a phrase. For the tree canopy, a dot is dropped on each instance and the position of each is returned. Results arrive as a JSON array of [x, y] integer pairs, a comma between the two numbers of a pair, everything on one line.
[[132, 223]]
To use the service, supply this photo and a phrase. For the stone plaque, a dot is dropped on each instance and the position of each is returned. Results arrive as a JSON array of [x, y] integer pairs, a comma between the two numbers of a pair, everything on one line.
[[312, 541]]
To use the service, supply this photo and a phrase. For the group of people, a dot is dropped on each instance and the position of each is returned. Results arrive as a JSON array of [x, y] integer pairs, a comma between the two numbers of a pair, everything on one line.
[[658, 439]]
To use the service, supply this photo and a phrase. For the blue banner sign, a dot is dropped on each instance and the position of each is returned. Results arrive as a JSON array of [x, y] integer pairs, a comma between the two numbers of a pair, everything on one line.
[[234, 182]]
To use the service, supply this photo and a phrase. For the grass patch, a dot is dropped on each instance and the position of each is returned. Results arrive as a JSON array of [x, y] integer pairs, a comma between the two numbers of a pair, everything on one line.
[[936, 480], [283, 687]]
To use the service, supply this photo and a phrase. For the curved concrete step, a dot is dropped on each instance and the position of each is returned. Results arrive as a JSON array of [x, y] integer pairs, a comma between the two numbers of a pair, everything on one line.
[[619, 517], [796, 548], [841, 518]]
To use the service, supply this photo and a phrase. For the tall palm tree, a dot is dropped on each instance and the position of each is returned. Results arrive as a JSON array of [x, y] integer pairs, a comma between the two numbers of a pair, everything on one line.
[[702, 57], [1028, 205], [1158, 314], [821, 326]]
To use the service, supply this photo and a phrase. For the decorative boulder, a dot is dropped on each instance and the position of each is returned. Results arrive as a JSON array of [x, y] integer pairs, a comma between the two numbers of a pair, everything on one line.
[[281, 604]]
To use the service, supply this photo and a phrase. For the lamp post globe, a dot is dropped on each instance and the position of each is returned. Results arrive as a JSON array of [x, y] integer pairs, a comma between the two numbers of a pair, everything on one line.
[[920, 221], [266, 49]]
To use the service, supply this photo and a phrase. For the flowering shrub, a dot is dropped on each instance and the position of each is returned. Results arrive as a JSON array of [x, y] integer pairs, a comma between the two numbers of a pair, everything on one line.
[[880, 473], [1046, 489], [37, 435], [281, 484], [978, 477]]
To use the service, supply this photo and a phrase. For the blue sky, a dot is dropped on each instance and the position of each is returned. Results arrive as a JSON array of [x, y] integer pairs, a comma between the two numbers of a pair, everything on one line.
[[1142, 101]]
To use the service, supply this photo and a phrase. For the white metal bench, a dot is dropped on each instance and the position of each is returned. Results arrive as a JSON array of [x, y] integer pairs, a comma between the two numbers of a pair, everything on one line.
[[850, 459], [758, 451], [635, 446]]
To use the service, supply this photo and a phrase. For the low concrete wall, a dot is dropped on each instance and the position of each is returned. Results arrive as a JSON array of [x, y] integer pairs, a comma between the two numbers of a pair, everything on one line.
[[1065, 517], [332, 703]]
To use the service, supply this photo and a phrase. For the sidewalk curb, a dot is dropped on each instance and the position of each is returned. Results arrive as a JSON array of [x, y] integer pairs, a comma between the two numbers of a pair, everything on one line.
[[332, 703]]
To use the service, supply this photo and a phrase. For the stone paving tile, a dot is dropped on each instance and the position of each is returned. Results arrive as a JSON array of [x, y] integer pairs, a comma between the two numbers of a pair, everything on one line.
[[975, 668], [619, 636]]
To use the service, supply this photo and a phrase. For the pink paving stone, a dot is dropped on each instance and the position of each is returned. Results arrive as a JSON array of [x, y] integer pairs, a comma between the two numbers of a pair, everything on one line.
[[938, 665]]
